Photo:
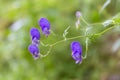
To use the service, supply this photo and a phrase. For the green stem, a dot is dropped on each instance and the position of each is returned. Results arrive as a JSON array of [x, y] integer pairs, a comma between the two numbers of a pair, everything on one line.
[[66, 40], [84, 21], [105, 31], [83, 57], [48, 52]]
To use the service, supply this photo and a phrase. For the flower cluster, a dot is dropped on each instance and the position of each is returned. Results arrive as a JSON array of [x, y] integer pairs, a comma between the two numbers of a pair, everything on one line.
[[76, 51], [75, 46], [35, 37], [45, 27]]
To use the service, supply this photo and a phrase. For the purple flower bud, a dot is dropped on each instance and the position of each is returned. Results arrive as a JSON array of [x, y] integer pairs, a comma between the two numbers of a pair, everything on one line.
[[45, 26], [35, 35], [78, 14], [33, 49], [76, 51], [77, 24]]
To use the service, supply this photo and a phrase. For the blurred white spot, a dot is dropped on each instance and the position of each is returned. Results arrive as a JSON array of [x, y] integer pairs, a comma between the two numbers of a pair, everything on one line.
[[105, 5], [106, 23], [88, 28], [18, 24], [116, 45]]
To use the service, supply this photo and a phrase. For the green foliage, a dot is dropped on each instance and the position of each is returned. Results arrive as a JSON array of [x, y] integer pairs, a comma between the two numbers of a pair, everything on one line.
[[93, 33]]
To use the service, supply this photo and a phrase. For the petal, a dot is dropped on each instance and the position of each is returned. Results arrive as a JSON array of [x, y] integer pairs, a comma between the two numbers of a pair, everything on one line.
[[76, 55], [76, 52], [45, 26], [35, 41], [75, 46], [36, 55], [43, 22], [78, 14], [34, 32], [33, 49], [79, 61], [46, 31]]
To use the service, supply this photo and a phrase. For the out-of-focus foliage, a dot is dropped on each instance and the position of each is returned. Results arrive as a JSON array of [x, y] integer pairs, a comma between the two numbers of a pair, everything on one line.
[[18, 16]]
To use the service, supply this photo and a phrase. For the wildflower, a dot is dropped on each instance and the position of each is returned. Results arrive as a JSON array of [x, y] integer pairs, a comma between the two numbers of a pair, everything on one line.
[[33, 49], [76, 51], [45, 26], [78, 14], [35, 35], [77, 23]]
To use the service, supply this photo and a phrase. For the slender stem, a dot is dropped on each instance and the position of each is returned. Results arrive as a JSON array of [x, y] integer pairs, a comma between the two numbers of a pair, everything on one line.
[[48, 52], [50, 46], [74, 37], [105, 31], [95, 24], [44, 44], [84, 21], [84, 57], [86, 43], [86, 51], [57, 42], [66, 40]]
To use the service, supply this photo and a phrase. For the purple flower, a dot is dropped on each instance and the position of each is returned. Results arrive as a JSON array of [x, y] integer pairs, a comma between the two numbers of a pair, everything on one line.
[[33, 49], [35, 35], [76, 51], [78, 14], [45, 26]]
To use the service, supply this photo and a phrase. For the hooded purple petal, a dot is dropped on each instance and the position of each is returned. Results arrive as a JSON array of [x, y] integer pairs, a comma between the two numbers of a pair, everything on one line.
[[34, 32], [75, 46], [45, 26], [35, 35], [33, 49], [76, 51]]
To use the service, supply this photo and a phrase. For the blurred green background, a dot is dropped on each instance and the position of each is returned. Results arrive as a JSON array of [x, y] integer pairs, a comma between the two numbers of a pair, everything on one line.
[[18, 16]]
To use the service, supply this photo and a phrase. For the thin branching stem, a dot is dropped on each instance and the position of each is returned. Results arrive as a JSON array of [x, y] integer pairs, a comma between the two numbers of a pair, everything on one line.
[[50, 48], [71, 38], [86, 51], [105, 30], [84, 21]]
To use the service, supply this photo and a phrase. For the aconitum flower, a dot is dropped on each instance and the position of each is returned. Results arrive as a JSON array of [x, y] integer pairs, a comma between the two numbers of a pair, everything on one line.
[[76, 51], [78, 15], [45, 26], [35, 35], [33, 49]]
